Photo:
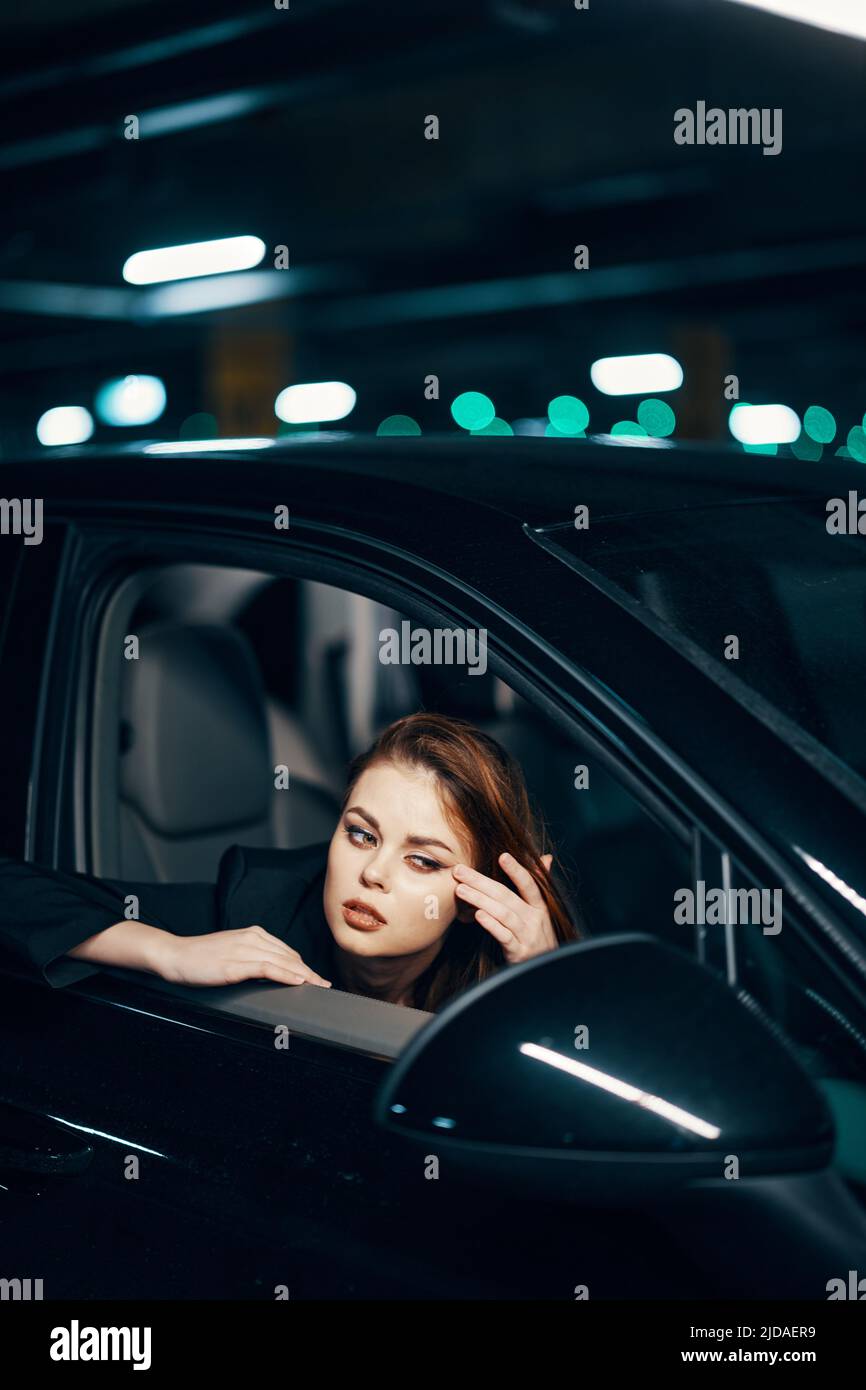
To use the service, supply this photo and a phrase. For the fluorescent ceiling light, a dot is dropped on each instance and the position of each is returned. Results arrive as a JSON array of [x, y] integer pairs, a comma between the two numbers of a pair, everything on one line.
[[645, 373], [764, 424], [313, 401], [65, 424], [841, 16], [201, 446], [196, 258]]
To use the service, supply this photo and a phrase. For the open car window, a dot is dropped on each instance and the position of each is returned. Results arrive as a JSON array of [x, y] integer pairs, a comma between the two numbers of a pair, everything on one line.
[[283, 672]]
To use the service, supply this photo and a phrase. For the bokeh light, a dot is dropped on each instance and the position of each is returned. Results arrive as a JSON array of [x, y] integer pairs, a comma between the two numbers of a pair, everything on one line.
[[131, 400], [857, 443], [657, 418], [628, 427], [568, 415], [496, 426], [311, 402], [764, 424], [472, 410], [807, 449], [398, 425], [64, 424], [199, 426], [819, 424], [636, 375]]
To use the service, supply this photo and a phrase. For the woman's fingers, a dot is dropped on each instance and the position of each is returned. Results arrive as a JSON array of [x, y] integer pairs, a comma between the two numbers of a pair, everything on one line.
[[494, 907], [273, 968], [529, 889], [494, 927], [521, 923], [491, 886], [249, 939], [529, 893]]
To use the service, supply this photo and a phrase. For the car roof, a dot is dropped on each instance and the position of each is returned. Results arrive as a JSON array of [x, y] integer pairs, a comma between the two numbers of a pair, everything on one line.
[[539, 480]]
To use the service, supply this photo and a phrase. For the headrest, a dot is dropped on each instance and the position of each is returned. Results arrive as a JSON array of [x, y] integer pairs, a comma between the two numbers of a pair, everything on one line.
[[198, 755]]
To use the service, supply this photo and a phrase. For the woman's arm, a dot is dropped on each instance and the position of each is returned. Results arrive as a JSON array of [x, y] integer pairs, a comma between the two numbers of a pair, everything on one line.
[[219, 958], [130, 944], [63, 926]]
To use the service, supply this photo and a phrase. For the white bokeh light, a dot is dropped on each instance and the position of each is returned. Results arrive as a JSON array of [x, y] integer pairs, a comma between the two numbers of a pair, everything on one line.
[[643, 374], [131, 400], [64, 424]]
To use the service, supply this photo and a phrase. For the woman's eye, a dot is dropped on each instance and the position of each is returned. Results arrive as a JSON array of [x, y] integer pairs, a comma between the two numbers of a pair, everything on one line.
[[354, 830], [423, 862], [357, 835]]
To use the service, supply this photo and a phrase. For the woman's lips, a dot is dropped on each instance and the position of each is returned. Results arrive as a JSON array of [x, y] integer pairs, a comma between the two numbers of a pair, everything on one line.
[[362, 916]]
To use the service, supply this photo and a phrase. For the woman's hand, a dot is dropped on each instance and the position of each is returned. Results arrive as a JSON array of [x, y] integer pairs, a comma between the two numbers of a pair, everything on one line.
[[227, 957], [519, 921]]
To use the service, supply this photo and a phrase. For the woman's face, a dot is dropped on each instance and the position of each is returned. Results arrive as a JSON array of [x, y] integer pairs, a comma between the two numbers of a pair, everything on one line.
[[393, 852]]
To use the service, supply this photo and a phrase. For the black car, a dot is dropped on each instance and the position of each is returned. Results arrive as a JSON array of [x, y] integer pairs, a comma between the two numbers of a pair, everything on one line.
[[675, 654]]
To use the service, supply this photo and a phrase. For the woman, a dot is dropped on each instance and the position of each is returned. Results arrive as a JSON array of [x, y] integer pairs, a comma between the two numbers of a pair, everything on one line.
[[432, 881]]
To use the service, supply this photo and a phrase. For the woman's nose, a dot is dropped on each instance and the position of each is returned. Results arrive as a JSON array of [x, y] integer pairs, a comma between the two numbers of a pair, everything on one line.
[[375, 872]]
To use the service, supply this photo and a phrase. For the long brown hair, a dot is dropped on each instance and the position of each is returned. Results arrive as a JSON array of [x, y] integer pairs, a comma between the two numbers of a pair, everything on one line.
[[485, 797]]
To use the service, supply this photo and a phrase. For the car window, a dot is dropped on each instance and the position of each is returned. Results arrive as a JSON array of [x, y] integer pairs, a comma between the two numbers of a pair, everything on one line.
[[278, 672], [770, 574]]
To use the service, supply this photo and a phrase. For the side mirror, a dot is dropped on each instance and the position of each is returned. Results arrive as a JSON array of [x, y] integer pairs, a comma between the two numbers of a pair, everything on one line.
[[616, 1067]]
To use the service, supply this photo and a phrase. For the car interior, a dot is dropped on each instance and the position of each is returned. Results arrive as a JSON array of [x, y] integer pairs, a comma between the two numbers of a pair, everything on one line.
[[240, 671]]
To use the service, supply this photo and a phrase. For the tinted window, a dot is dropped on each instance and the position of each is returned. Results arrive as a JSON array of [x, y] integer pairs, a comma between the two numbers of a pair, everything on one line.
[[768, 573]]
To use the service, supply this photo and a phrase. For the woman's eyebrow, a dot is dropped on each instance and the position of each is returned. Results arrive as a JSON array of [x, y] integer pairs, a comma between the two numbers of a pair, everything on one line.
[[410, 839], [428, 840]]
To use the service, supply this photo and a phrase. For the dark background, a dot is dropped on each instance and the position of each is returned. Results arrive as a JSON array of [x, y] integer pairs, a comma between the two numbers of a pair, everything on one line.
[[410, 256]]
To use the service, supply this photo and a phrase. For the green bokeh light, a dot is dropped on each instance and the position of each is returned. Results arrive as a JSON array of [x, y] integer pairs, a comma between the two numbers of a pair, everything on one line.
[[398, 424], [568, 415], [819, 424], [496, 426], [761, 448], [628, 427], [857, 443], [472, 410], [657, 418], [199, 426], [807, 449]]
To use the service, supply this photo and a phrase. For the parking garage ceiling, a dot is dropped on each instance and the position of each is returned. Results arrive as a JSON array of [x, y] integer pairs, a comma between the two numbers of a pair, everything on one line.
[[408, 255]]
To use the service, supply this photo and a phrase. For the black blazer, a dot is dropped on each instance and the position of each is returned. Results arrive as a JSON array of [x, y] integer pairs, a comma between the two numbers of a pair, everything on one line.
[[44, 912]]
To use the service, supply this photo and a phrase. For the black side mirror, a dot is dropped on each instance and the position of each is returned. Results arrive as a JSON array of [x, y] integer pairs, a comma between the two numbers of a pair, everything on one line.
[[608, 1068]]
